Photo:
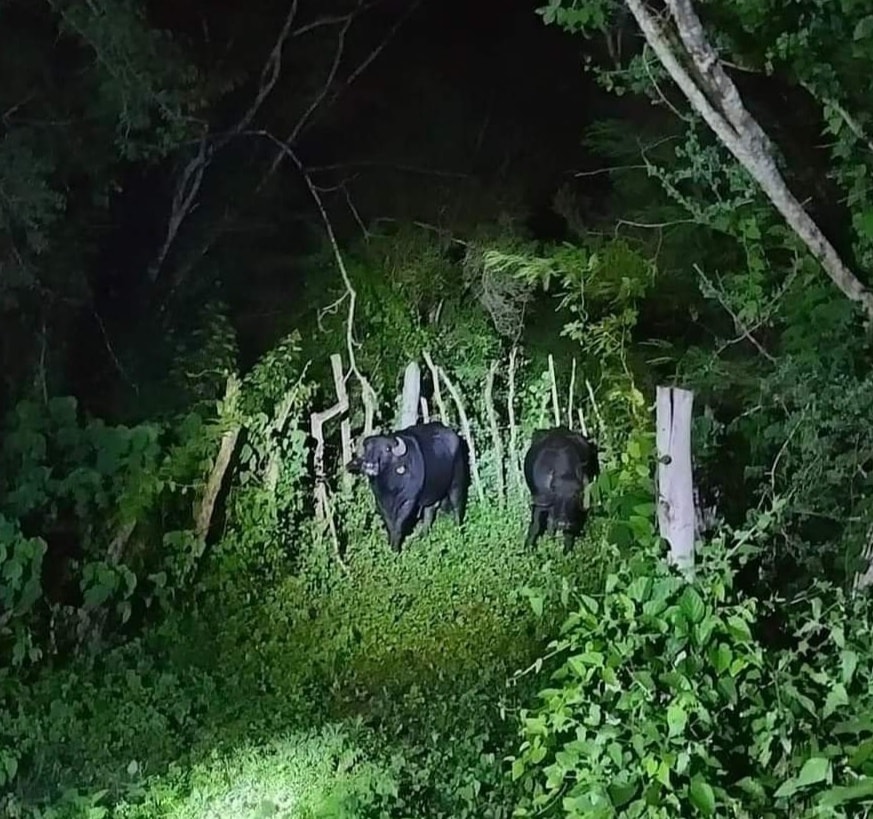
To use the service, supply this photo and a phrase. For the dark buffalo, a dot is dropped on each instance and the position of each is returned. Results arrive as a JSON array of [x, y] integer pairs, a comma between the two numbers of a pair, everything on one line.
[[413, 471], [558, 467]]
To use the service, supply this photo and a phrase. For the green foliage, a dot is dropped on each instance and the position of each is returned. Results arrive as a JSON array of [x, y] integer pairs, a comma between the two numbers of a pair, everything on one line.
[[28, 203], [204, 356], [662, 702], [93, 495], [266, 504], [21, 562], [141, 85]]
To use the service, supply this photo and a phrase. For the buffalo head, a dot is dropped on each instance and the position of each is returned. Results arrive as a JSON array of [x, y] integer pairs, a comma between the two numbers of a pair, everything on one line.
[[378, 453]]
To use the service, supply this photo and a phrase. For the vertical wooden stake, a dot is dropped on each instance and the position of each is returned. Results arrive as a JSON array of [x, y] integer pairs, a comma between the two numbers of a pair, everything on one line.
[[675, 482], [570, 394], [437, 393], [408, 414], [466, 431], [515, 468], [556, 408], [496, 442]]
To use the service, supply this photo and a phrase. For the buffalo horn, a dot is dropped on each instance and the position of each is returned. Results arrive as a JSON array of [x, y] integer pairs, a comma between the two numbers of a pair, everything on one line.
[[399, 448]]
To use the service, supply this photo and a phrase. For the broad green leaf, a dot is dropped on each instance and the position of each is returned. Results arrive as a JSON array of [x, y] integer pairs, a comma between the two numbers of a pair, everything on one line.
[[849, 662], [692, 605], [863, 28], [677, 719], [814, 770], [837, 697], [739, 628], [721, 657], [702, 796]]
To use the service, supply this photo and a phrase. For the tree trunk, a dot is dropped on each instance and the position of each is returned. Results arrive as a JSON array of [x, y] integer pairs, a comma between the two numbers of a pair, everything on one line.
[[714, 96], [676, 516]]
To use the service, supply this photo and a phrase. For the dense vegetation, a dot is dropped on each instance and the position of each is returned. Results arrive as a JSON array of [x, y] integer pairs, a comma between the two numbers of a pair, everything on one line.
[[193, 623]]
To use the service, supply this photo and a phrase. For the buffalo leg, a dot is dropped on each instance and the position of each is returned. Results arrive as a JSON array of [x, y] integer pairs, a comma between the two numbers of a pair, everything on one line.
[[569, 540], [550, 524], [427, 518], [536, 525], [458, 491], [397, 528]]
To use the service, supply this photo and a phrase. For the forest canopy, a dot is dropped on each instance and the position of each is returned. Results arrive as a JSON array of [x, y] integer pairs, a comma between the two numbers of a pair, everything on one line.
[[236, 242]]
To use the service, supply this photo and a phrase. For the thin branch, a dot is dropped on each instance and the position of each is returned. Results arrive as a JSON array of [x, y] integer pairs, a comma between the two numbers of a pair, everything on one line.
[[368, 394], [188, 186], [715, 97], [579, 174], [655, 225], [739, 326], [306, 120], [395, 166], [496, 442]]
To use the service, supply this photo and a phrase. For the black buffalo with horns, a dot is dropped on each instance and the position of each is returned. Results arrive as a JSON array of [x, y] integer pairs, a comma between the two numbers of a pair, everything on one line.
[[411, 472], [558, 467]]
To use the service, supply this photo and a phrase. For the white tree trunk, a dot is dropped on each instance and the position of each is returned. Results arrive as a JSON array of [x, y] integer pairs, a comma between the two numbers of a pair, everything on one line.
[[676, 516], [409, 401], [714, 96]]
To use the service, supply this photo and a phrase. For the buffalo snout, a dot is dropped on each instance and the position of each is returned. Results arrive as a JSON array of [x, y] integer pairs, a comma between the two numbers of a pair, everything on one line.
[[370, 469]]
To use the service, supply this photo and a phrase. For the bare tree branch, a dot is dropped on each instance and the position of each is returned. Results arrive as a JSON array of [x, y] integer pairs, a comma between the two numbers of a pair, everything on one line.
[[192, 176], [368, 394], [713, 94], [306, 119], [191, 180]]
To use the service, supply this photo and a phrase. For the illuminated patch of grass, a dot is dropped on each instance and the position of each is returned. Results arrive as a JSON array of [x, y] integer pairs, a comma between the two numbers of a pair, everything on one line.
[[298, 776]]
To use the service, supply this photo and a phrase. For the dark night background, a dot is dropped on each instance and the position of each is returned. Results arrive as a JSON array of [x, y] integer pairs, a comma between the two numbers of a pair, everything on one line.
[[470, 110]]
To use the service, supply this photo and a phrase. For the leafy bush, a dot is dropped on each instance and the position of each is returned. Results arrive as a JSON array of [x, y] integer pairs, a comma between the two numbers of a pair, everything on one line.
[[664, 702]]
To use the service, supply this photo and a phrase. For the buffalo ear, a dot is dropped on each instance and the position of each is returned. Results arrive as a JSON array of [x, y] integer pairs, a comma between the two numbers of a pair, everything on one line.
[[399, 448], [542, 500]]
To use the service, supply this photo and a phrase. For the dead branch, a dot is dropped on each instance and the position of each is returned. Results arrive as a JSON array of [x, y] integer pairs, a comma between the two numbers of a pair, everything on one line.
[[214, 483], [307, 118], [316, 428], [513, 426], [391, 166], [118, 544], [190, 182], [437, 393], [206, 505], [368, 394], [864, 577], [274, 463], [582, 426], [466, 430], [594, 406], [191, 179], [496, 442], [346, 439], [714, 96], [570, 394], [556, 408]]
